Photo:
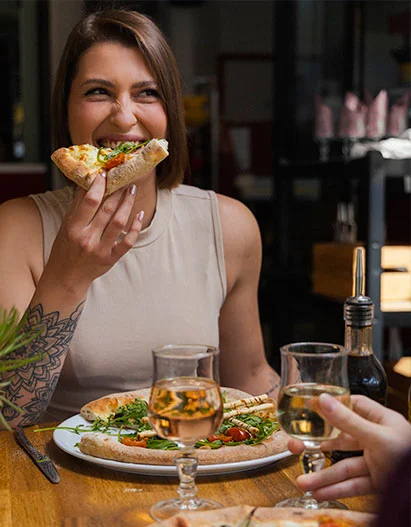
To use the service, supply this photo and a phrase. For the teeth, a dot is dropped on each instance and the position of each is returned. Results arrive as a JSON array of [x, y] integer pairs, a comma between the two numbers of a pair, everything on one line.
[[114, 144]]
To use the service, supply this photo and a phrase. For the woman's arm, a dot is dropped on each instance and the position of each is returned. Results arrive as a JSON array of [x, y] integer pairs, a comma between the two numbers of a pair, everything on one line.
[[85, 247], [243, 362]]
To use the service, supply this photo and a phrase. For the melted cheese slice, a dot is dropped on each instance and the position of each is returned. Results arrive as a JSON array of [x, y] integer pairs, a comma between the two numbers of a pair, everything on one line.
[[86, 154]]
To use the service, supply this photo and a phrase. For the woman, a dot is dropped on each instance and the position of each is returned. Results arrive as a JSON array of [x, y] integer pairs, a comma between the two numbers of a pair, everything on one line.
[[155, 263]]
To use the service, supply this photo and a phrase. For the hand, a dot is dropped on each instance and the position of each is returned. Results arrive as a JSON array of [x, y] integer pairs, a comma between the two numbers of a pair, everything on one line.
[[383, 435], [89, 241]]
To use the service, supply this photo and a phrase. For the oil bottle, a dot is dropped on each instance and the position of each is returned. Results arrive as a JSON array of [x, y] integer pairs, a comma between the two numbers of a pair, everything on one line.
[[366, 374]]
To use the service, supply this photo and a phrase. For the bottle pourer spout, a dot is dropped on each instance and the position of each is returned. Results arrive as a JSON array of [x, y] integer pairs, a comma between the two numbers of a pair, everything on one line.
[[359, 273], [359, 309]]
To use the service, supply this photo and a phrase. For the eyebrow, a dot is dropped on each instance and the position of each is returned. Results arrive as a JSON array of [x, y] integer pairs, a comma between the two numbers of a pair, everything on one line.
[[108, 84]]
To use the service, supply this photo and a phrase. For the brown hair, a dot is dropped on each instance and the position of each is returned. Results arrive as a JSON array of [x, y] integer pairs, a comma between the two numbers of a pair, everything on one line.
[[131, 29]]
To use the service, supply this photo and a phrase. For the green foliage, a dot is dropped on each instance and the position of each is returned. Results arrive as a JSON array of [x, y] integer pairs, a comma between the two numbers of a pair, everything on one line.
[[12, 337], [122, 148]]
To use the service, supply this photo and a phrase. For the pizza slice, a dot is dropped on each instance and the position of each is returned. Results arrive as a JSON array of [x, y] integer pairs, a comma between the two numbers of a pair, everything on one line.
[[290, 517], [123, 164], [247, 516], [237, 516]]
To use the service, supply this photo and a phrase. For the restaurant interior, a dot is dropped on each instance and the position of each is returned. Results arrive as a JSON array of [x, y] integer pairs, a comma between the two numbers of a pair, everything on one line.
[[251, 71], [256, 75]]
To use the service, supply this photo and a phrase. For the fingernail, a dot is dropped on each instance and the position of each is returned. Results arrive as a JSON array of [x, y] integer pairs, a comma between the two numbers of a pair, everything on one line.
[[103, 173], [132, 190], [141, 216], [328, 402]]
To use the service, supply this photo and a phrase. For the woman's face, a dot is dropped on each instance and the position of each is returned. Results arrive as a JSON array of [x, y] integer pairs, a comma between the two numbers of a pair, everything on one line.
[[114, 98]]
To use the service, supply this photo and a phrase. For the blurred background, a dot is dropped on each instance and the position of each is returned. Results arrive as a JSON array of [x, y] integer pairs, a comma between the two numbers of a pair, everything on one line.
[[252, 71]]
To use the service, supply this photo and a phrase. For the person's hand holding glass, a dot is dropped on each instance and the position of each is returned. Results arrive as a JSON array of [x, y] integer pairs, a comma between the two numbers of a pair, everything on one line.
[[309, 369], [185, 406]]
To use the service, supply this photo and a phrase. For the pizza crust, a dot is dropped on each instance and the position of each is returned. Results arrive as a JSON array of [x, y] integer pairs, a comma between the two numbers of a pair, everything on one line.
[[236, 516], [103, 407], [264, 517], [267, 517], [76, 170], [84, 172], [144, 160], [103, 446]]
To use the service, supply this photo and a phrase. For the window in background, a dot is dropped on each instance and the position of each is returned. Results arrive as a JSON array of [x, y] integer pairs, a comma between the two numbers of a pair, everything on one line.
[[24, 88], [10, 85]]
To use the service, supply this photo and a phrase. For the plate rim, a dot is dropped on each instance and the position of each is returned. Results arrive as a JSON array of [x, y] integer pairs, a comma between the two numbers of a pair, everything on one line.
[[156, 470]]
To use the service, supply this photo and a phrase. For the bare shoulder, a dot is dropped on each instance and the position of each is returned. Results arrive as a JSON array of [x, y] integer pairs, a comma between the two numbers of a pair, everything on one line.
[[239, 226], [233, 210], [19, 215], [20, 228], [241, 239]]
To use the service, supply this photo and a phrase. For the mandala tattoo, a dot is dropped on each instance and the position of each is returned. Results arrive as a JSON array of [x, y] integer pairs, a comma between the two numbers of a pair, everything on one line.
[[31, 386]]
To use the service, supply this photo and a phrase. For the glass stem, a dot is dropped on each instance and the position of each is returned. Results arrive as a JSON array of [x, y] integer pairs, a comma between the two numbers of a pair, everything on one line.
[[312, 460], [187, 468]]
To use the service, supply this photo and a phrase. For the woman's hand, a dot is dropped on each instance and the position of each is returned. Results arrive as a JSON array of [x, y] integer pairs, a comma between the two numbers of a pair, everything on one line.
[[91, 238], [383, 435]]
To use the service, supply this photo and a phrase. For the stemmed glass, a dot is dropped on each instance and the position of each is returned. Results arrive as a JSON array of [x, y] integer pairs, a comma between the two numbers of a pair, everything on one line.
[[185, 405], [309, 369]]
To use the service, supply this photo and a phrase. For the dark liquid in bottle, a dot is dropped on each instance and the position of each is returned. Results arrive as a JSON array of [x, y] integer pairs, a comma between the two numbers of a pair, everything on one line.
[[366, 377]]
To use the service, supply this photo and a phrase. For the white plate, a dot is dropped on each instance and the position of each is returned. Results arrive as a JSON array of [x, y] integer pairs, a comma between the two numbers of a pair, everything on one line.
[[67, 440]]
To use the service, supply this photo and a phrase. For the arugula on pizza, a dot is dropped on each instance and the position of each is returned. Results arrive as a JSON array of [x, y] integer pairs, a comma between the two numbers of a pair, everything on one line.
[[249, 431]]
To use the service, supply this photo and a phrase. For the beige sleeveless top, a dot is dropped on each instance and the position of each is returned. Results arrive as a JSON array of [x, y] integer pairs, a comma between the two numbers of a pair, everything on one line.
[[169, 288]]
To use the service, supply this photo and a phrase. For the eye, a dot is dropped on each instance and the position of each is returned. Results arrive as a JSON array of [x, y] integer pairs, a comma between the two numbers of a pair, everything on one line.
[[96, 92], [151, 92], [149, 95]]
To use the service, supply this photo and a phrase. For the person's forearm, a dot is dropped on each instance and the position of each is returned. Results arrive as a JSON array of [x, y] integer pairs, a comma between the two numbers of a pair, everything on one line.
[[273, 380], [31, 387], [264, 380]]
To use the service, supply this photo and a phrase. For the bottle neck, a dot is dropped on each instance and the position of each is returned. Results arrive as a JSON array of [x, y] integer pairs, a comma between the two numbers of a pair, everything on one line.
[[358, 341]]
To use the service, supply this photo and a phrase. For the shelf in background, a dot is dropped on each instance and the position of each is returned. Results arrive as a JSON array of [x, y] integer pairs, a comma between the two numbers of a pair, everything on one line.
[[300, 224], [397, 306]]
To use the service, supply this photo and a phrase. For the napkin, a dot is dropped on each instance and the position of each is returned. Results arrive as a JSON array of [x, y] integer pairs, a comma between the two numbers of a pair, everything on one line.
[[392, 148]]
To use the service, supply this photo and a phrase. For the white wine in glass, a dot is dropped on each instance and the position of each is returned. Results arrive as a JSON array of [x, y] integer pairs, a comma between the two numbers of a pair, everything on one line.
[[185, 406], [309, 369]]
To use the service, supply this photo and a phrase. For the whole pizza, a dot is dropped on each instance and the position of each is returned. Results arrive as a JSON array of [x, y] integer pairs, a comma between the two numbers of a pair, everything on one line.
[[120, 431], [245, 515]]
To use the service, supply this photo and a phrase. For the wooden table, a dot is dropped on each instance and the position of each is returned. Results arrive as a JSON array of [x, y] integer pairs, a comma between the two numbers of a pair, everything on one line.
[[89, 496]]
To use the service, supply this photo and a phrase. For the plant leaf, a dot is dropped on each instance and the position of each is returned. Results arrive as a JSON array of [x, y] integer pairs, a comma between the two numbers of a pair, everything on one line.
[[12, 337]]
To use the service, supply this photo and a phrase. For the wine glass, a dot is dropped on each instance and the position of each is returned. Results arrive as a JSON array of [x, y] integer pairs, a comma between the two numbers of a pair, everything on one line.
[[309, 369], [185, 405]]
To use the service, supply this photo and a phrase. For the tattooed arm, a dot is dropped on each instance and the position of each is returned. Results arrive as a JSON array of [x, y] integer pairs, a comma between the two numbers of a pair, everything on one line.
[[274, 381], [31, 386], [53, 292]]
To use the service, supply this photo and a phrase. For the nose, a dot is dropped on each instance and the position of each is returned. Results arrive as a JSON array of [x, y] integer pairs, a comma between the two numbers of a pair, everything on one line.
[[123, 115]]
